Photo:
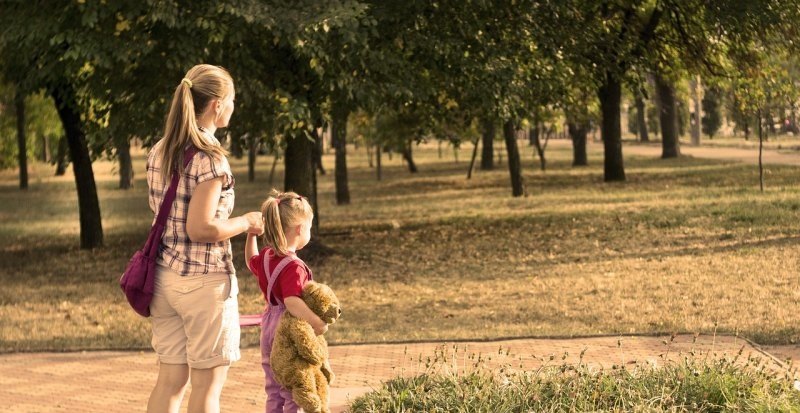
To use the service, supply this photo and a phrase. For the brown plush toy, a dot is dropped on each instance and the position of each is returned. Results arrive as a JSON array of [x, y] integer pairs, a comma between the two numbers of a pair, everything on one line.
[[299, 357]]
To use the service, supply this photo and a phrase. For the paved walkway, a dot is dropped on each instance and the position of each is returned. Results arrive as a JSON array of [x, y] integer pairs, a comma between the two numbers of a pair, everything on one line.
[[111, 382]]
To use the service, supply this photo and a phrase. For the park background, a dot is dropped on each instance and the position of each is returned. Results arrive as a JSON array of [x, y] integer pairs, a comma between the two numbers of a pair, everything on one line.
[[480, 170]]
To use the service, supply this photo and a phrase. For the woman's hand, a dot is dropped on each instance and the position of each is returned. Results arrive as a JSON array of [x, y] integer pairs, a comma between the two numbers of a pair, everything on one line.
[[255, 223]]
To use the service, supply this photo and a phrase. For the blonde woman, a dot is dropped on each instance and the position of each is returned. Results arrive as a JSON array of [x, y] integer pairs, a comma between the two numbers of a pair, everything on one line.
[[195, 312]]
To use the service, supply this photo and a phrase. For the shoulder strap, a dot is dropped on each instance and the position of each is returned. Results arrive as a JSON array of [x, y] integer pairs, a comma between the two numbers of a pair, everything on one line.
[[151, 247], [169, 197], [273, 276]]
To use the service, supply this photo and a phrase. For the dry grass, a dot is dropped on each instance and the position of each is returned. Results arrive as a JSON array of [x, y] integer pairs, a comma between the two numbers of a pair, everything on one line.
[[683, 245]]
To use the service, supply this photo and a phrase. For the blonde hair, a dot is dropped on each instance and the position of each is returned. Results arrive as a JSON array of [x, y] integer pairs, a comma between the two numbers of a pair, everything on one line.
[[281, 211], [202, 84]]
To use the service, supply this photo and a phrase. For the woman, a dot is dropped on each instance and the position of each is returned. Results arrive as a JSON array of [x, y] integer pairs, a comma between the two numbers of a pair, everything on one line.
[[195, 314]]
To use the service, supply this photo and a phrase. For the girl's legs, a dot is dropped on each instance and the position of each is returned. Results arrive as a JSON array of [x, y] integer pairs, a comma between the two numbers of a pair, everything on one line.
[[206, 389], [169, 389]]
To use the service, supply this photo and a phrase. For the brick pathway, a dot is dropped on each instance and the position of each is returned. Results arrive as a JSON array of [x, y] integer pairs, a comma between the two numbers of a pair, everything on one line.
[[111, 382]]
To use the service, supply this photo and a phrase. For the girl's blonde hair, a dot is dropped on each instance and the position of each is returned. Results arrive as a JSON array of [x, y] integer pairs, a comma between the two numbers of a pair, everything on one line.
[[281, 211], [202, 84]]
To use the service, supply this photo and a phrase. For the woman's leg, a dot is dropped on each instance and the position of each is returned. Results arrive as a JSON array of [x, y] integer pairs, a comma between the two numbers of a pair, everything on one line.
[[206, 389], [170, 386]]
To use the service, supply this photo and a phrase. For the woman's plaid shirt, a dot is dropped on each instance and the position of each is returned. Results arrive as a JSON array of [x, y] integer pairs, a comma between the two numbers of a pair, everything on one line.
[[177, 250]]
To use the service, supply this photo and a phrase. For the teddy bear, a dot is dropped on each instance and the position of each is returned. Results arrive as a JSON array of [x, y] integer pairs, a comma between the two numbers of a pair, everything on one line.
[[299, 357]]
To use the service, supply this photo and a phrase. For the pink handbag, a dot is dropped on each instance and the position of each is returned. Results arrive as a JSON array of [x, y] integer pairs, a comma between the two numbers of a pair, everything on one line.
[[138, 280]]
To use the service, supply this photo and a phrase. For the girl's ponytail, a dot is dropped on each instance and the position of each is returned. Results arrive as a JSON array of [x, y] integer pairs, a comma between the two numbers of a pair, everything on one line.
[[281, 211], [273, 228]]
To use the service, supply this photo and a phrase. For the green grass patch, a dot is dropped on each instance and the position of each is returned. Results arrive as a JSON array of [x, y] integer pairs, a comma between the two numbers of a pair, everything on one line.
[[690, 385]]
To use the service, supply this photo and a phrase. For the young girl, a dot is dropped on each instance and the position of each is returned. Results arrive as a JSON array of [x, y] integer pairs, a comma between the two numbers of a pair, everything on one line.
[[281, 276]]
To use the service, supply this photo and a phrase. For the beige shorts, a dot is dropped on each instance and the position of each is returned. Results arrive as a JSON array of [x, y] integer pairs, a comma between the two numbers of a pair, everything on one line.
[[195, 319]]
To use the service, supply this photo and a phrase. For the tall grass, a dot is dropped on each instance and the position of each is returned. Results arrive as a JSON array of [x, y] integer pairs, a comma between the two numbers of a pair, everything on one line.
[[691, 384]]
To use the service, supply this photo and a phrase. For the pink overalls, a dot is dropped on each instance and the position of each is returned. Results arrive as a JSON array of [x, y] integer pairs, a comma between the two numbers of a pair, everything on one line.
[[279, 400]]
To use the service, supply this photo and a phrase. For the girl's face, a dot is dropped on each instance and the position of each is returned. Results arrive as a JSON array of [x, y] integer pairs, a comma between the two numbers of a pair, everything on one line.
[[224, 110], [304, 235]]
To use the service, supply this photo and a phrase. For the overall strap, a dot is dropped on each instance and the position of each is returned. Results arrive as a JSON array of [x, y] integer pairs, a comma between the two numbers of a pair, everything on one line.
[[273, 276]]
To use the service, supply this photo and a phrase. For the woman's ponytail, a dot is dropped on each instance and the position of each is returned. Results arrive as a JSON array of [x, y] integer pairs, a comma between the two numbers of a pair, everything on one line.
[[201, 85]]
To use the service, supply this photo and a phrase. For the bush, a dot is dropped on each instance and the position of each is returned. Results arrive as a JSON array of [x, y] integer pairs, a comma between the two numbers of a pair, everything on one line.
[[687, 386]]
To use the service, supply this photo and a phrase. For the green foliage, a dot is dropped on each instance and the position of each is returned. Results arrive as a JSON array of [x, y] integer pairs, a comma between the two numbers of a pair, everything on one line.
[[42, 127], [712, 115], [692, 385]]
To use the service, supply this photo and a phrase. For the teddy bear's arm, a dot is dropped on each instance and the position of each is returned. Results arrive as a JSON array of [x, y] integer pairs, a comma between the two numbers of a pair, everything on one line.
[[306, 343], [326, 370]]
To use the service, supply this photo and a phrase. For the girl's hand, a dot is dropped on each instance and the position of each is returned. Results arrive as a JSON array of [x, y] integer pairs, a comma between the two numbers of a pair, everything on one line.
[[255, 225], [320, 329]]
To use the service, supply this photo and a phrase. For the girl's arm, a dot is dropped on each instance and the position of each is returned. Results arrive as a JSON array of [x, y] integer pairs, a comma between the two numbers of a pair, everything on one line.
[[250, 249], [298, 308], [201, 226]]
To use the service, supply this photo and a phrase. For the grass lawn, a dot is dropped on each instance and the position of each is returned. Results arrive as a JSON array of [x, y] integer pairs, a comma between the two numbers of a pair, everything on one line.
[[684, 245]]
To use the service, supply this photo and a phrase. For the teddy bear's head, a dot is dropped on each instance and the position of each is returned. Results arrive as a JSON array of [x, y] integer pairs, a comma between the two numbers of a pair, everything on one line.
[[322, 301]]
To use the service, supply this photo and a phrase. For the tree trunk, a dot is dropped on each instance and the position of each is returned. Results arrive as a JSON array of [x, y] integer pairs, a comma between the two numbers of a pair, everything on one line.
[[670, 145], [62, 157], [533, 134], [641, 119], [369, 148], [236, 145], [407, 155], [299, 171], [578, 135], [252, 152], [125, 164], [46, 156], [760, 152], [378, 152], [472, 159], [746, 130], [22, 147], [339, 136], [88, 203], [439, 147], [695, 86], [768, 117], [274, 164], [535, 137], [487, 156], [610, 94], [318, 149], [514, 165]]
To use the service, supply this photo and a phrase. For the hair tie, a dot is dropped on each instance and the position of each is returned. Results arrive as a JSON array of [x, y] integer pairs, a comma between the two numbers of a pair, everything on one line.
[[187, 81]]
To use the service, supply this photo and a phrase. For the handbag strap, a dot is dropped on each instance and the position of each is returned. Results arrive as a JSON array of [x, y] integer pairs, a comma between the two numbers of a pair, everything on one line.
[[151, 247], [169, 197]]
